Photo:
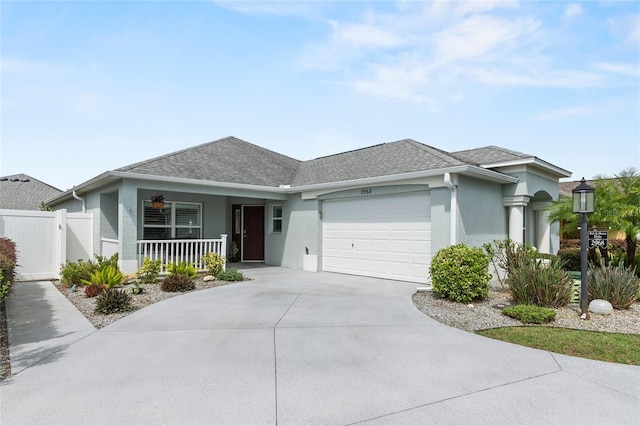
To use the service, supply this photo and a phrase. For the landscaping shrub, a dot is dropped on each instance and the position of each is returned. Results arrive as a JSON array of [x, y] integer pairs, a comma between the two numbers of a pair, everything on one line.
[[530, 282], [149, 271], [109, 277], [182, 268], [231, 275], [92, 290], [177, 282], [7, 267], [460, 273], [570, 258], [113, 300], [213, 263], [77, 272], [529, 314], [103, 261], [616, 284]]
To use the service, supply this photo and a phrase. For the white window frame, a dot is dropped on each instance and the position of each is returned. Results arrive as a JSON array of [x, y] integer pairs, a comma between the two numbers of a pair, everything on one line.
[[276, 219], [172, 226]]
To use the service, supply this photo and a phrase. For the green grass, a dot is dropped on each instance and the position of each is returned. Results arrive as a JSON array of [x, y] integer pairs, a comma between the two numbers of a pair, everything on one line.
[[612, 347]]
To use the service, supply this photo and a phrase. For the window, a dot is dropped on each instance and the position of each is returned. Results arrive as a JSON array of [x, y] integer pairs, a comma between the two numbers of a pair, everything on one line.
[[173, 221], [276, 219]]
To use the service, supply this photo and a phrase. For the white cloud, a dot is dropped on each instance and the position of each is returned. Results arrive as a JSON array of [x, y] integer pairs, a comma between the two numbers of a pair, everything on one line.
[[483, 35], [572, 10], [475, 6], [423, 53], [363, 35], [581, 110], [630, 70]]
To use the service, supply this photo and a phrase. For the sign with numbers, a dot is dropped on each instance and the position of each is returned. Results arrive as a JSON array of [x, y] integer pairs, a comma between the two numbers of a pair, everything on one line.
[[598, 239]]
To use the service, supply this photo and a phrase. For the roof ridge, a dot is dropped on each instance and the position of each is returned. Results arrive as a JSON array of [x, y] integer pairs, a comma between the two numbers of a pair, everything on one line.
[[442, 154], [31, 178], [197, 147]]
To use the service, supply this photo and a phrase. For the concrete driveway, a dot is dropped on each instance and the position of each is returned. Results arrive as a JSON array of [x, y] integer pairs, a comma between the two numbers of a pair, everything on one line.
[[291, 347]]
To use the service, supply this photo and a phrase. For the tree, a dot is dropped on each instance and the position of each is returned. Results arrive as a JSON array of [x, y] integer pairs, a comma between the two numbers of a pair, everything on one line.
[[617, 207]]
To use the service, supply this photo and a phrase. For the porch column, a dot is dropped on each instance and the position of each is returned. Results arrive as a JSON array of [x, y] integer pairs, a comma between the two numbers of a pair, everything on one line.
[[516, 217], [128, 227], [543, 228]]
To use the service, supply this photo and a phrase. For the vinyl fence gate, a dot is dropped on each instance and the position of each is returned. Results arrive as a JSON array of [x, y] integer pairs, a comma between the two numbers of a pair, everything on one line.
[[46, 240]]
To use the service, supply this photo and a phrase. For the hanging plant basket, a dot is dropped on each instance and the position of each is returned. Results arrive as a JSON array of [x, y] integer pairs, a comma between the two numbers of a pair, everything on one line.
[[157, 201]]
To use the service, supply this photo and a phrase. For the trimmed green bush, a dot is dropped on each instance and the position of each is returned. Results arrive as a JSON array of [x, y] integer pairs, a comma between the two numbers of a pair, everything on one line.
[[570, 258], [529, 314], [460, 273], [182, 268], [149, 271], [231, 275], [113, 300], [213, 263], [77, 272], [7, 267], [616, 284], [177, 283]]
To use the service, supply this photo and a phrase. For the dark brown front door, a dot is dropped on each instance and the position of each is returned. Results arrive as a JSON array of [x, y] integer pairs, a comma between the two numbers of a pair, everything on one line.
[[253, 233]]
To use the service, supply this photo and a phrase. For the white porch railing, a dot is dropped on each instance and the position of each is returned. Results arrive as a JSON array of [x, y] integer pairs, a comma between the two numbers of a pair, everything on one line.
[[189, 251]]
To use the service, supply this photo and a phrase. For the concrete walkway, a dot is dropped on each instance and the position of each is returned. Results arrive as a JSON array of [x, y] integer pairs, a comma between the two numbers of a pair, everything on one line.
[[291, 347]]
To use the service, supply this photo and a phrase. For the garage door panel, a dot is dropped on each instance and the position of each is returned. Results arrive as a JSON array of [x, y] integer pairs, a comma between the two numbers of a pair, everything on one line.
[[380, 246], [386, 237]]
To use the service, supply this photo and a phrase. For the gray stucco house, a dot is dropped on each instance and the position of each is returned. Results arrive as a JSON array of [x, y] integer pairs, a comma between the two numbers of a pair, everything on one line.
[[381, 211]]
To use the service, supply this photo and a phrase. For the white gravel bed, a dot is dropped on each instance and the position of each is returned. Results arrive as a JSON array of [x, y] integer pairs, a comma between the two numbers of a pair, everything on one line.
[[483, 315], [150, 295]]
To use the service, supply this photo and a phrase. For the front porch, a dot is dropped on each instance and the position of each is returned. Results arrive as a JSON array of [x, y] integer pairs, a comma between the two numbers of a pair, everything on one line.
[[175, 251]]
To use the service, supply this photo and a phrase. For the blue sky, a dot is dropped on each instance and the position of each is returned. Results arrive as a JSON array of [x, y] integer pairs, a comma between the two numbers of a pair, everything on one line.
[[88, 87]]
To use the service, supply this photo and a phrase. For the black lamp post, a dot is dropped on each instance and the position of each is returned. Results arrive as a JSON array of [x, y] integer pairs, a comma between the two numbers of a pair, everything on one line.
[[583, 203]]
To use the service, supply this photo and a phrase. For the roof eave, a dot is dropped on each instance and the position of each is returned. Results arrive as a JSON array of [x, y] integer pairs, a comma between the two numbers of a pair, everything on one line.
[[114, 175], [464, 170], [533, 161]]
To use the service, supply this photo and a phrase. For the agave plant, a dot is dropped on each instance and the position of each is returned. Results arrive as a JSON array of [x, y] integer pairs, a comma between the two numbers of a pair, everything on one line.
[[108, 277], [616, 284]]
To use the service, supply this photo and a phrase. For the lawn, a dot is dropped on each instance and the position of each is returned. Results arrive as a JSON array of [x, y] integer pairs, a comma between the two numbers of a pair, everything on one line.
[[612, 347]]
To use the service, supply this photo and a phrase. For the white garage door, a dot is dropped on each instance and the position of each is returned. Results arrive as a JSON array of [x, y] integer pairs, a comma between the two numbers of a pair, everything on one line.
[[385, 237]]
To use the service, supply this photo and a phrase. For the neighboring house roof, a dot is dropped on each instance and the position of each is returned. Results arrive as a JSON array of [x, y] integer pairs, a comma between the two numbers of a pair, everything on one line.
[[225, 160], [22, 192], [235, 163]]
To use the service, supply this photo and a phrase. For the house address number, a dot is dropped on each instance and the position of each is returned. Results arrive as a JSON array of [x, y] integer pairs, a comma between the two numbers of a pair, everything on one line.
[[366, 191]]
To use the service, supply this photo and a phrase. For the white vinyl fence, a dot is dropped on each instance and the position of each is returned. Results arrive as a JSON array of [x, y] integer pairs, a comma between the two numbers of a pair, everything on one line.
[[46, 240]]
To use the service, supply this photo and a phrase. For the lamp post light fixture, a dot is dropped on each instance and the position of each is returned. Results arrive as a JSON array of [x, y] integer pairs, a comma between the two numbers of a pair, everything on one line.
[[583, 197]]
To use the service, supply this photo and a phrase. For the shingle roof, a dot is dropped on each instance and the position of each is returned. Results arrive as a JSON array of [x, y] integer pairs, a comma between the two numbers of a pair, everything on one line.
[[489, 154], [226, 160], [22, 192], [386, 159]]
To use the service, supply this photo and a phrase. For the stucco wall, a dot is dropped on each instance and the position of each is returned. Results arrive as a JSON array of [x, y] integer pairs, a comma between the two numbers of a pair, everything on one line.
[[301, 228], [482, 215], [440, 219]]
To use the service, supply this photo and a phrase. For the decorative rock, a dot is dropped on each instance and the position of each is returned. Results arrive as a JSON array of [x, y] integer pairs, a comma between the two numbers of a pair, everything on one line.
[[208, 278], [599, 306]]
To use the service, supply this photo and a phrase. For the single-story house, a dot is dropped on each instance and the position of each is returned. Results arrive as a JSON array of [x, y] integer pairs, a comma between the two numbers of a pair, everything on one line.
[[22, 192], [381, 211]]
